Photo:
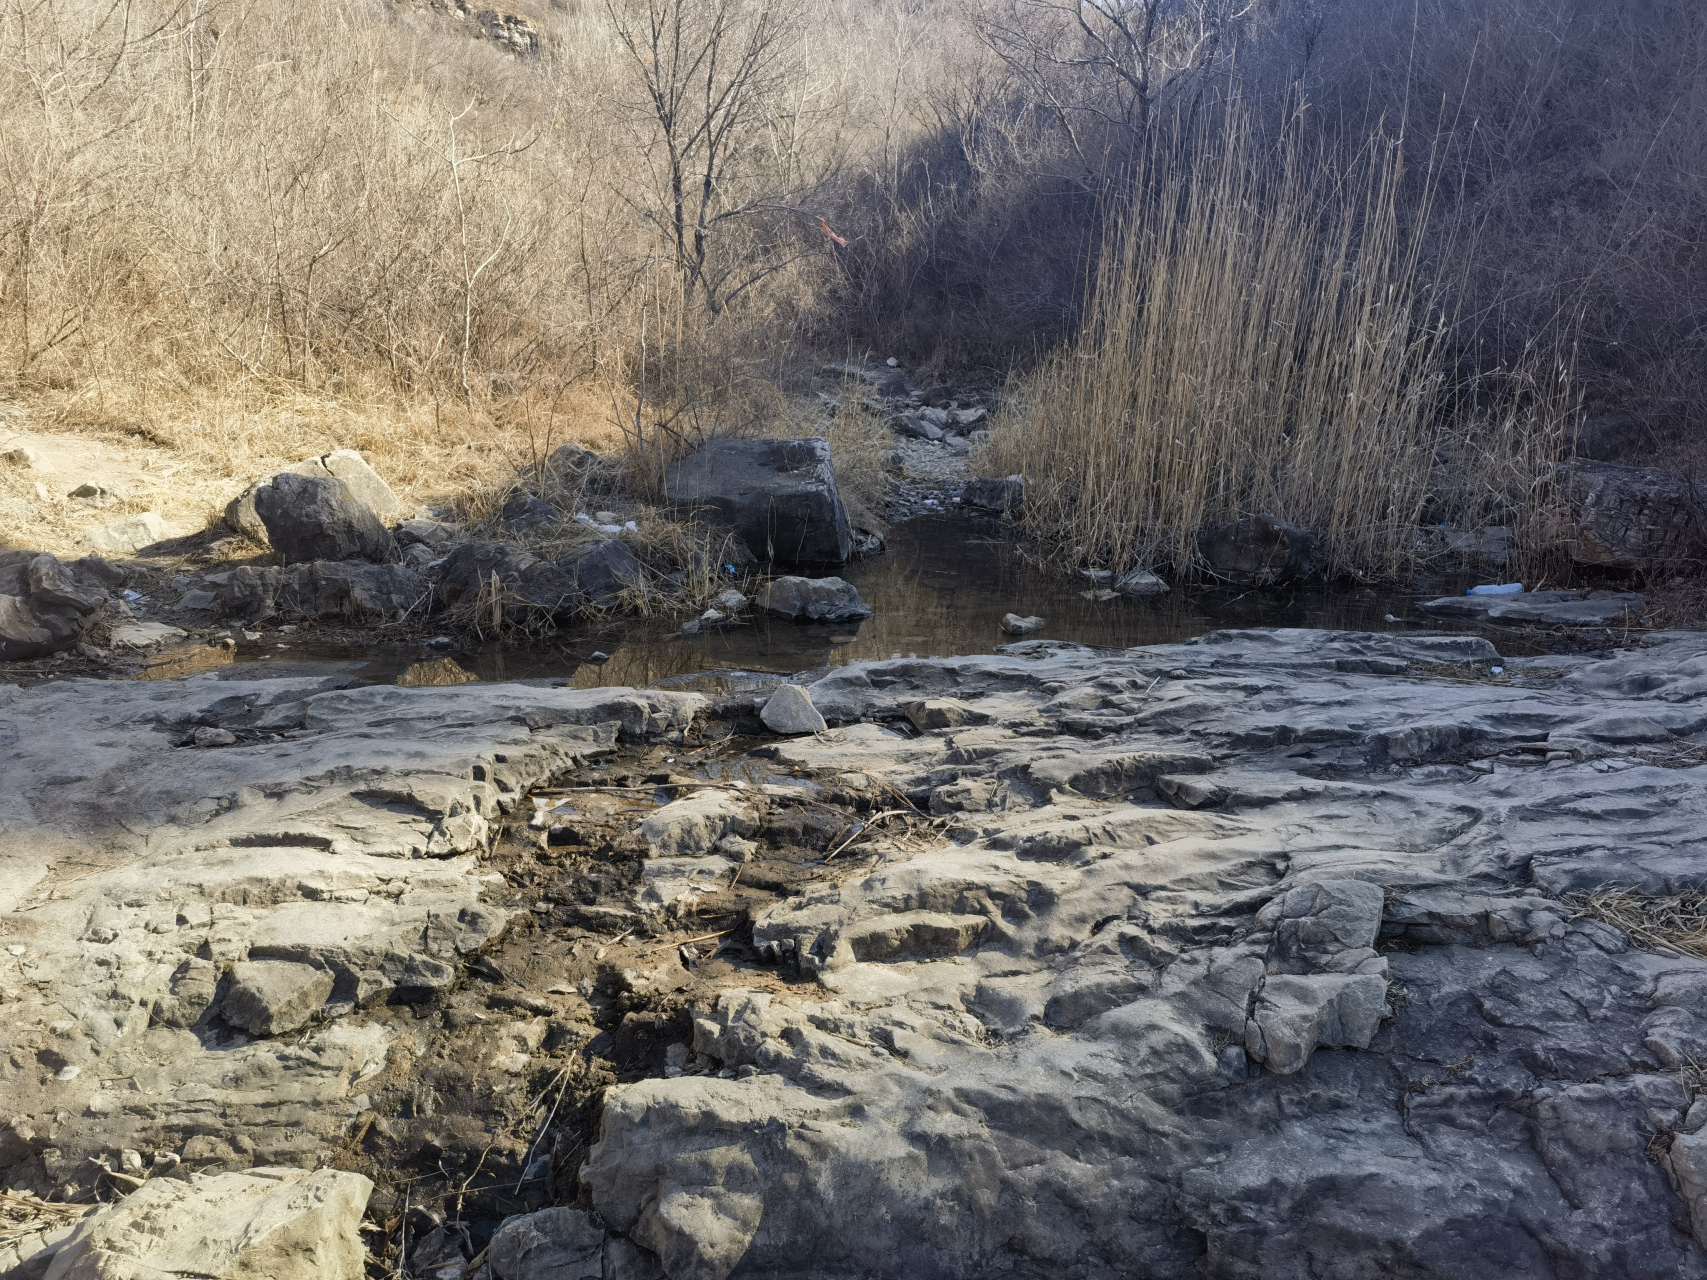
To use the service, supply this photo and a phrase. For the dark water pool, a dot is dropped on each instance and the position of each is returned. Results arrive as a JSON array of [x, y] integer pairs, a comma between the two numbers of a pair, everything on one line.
[[940, 589]]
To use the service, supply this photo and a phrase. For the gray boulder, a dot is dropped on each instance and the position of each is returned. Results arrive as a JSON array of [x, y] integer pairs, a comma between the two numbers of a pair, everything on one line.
[[1001, 497], [341, 464], [45, 605], [473, 566], [780, 496], [813, 600], [1259, 551], [319, 518], [1630, 517], [790, 710]]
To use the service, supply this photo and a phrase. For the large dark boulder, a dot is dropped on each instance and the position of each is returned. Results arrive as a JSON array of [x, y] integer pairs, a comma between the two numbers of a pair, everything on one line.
[[474, 565], [326, 590], [45, 606], [779, 496], [342, 464], [601, 571], [1259, 551], [595, 573], [319, 518], [1630, 517]]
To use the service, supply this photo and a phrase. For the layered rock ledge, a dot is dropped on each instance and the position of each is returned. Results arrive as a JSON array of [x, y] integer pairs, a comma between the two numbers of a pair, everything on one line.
[[1258, 955], [1245, 957]]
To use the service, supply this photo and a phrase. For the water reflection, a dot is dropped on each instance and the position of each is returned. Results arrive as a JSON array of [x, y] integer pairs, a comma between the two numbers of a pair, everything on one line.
[[940, 590]]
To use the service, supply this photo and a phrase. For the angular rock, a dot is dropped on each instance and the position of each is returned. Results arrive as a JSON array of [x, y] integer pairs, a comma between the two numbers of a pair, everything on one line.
[[552, 1244], [475, 567], [1004, 497], [319, 518], [133, 533], [27, 633], [780, 496], [790, 710], [597, 573], [1630, 517], [696, 823], [142, 635], [345, 465], [813, 599], [1296, 1015], [275, 997], [283, 1224], [439, 535], [1327, 925], [943, 713], [1259, 551]]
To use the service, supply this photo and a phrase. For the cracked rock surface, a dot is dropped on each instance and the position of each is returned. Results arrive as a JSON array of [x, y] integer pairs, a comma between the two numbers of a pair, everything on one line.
[[1244, 957], [1254, 956], [196, 935]]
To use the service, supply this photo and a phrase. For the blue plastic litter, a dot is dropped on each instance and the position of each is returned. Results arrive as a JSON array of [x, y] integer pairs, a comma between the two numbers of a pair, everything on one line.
[[1496, 589]]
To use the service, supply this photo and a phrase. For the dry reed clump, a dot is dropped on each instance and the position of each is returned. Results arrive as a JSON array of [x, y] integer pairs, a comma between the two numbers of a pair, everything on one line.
[[1675, 921], [1263, 339]]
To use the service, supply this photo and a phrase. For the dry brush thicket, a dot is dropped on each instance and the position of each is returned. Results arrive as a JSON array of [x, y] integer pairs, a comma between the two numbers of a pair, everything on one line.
[[250, 231]]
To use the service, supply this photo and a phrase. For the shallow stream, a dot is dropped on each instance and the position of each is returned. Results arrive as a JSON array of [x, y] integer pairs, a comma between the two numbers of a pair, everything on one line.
[[940, 589]]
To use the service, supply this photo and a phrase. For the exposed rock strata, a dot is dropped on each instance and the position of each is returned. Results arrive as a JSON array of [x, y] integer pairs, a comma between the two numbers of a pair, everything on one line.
[[192, 934], [1317, 1011], [1244, 957]]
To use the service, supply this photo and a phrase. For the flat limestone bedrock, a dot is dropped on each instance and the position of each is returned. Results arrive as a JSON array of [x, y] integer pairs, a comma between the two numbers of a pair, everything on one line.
[[1108, 1035], [144, 885]]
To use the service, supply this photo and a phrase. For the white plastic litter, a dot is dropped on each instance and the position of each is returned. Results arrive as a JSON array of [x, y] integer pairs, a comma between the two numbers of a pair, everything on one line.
[[1496, 589], [591, 523], [1498, 671]]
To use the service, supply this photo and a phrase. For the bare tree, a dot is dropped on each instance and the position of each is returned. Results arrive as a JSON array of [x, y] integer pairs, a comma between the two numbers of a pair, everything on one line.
[[723, 134], [1102, 66]]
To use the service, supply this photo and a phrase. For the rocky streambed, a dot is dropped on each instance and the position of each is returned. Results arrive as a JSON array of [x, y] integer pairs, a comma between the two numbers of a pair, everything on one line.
[[1271, 953]]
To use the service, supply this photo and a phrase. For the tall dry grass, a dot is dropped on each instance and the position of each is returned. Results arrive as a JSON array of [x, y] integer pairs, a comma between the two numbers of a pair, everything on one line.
[[1264, 338]]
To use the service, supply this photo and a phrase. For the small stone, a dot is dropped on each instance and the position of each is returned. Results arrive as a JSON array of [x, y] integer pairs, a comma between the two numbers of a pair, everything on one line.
[[209, 737], [1140, 582], [790, 710], [1015, 625], [730, 601]]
